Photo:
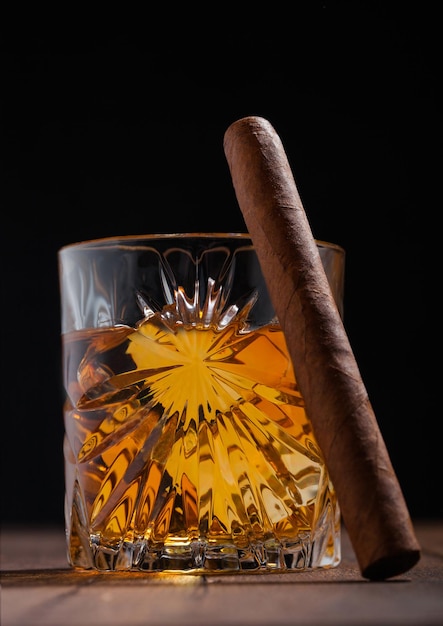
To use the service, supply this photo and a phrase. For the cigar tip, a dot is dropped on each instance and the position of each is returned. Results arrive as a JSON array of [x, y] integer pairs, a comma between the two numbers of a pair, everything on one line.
[[250, 122], [392, 565]]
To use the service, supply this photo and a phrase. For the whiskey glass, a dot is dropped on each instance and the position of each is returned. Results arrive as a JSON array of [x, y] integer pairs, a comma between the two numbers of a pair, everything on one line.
[[187, 446]]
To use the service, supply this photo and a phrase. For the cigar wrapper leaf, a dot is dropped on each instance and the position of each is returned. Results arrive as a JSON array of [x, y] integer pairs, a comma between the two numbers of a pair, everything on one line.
[[370, 498]]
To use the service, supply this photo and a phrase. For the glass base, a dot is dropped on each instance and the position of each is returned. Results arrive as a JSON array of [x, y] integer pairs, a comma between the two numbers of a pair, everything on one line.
[[303, 553]]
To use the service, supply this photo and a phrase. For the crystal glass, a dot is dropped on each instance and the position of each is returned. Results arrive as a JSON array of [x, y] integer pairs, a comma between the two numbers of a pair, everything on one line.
[[187, 447]]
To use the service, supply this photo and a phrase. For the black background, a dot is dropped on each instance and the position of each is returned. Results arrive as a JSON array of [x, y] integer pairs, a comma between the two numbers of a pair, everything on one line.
[[119, 130]]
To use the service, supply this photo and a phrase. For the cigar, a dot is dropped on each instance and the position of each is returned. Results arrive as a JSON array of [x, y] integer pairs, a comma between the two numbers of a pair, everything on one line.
[[372, 504]]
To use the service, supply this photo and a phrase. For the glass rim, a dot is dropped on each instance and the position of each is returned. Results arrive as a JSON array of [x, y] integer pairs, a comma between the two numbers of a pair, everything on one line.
[[118, 239]]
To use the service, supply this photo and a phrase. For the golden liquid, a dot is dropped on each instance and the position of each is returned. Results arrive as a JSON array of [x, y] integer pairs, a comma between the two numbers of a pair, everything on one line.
[[190, 449]]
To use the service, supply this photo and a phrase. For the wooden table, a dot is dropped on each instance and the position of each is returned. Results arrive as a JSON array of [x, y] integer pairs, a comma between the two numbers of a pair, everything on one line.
[[39, 588]]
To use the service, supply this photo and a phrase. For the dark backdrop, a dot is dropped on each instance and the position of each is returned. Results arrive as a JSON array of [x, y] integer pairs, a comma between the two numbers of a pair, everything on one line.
[[113, 131]]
